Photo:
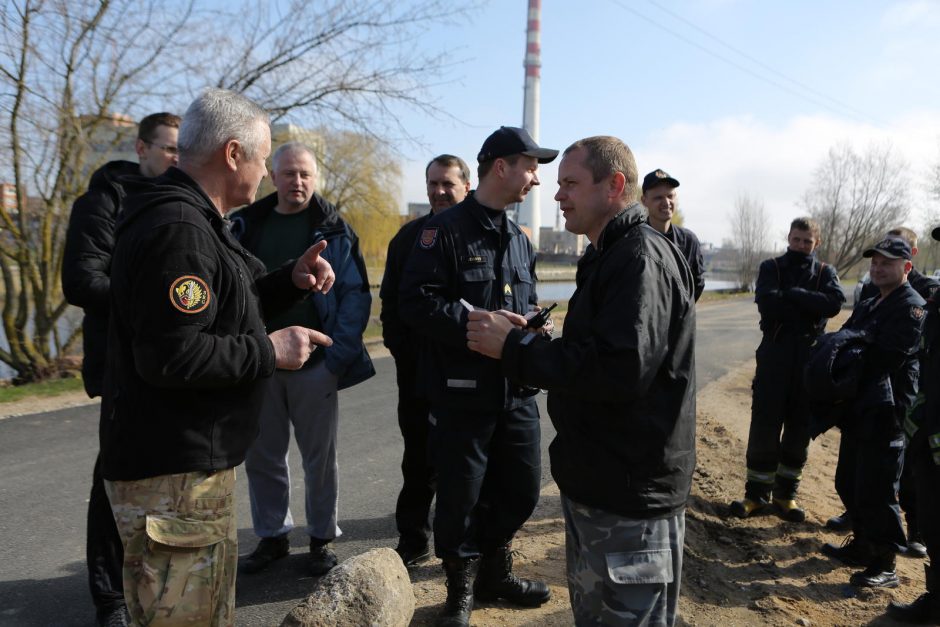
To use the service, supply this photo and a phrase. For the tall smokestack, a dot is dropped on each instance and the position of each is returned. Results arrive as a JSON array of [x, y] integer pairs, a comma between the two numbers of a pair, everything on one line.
[[530, 214]]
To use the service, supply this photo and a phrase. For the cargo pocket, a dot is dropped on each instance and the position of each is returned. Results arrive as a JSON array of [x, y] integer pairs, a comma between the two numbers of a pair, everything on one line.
[[640, 567], [182, 567]]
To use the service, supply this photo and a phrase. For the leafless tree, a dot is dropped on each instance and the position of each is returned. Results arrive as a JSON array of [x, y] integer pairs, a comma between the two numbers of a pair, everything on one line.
[[68, 67], [749, 227], [856, 197]]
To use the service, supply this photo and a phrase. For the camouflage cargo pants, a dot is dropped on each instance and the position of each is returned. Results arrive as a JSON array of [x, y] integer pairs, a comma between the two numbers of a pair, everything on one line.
[[622, 571], [180, 547]]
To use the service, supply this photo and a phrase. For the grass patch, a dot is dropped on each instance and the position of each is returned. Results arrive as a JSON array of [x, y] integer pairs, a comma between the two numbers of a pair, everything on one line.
[[53, 387]]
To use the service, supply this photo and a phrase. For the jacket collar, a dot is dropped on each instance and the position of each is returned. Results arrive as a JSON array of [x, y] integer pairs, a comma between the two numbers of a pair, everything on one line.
[[626, 219], [479, 213]]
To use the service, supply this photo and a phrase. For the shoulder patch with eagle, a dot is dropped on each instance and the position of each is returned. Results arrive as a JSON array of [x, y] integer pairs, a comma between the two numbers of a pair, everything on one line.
[[189, 294]]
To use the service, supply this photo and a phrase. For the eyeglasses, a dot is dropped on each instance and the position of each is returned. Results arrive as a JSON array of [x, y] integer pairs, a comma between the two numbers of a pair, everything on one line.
[[170, 150]]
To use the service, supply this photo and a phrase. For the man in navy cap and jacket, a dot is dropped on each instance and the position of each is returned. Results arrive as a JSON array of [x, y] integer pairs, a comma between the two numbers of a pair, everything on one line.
[[871, 452], [485, 436]]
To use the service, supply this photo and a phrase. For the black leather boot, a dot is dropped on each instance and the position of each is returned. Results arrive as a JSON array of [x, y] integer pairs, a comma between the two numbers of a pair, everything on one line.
[[925, 609], [459, 603], [496, 581], [880, 572]]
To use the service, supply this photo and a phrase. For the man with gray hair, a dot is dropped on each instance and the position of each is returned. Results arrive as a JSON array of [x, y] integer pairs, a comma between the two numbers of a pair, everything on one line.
[[277, 228], [187, 346]]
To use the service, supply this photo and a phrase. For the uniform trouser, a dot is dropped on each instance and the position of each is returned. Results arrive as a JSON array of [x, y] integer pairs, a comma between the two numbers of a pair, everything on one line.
[[180, 547], [927, 478], [104, 553], [307, 399], [867, 477], [412, 512], [622, 571], [488, 477], [778, 442], [907, 497]]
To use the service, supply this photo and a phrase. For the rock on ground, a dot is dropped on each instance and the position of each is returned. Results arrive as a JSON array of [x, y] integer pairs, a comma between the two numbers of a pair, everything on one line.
[[369, 589]]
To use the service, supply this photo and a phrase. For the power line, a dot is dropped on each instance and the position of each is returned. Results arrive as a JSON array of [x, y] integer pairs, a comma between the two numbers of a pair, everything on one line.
[[813, 96]]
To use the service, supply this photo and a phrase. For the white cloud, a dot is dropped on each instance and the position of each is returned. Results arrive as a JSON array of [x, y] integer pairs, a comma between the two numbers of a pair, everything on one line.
[[718, 160]]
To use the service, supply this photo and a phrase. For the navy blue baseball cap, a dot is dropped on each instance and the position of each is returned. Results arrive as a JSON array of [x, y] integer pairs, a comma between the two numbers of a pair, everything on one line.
[[890, 247], [510, 140], [658, 177]]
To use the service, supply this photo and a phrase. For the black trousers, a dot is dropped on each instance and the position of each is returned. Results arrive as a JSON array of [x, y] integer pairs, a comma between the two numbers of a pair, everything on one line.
[[489, 476], [867, 478], [778, 441], [907, 497], [104, 552], [927, 478], [412, 512]]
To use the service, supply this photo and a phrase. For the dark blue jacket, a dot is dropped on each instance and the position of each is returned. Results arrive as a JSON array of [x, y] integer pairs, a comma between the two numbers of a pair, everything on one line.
[[461, 254], [890, 371], [398, 336], [796, 294], [344, 311]]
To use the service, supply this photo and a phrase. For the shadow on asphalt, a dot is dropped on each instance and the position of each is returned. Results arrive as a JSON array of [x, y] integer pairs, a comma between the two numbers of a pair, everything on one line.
[[67, 602]]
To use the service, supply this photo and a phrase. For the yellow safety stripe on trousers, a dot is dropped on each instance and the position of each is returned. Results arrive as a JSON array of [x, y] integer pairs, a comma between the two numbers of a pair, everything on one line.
[[910, 427], [760, 477], [936, 458], [934, 440], [790, 473]]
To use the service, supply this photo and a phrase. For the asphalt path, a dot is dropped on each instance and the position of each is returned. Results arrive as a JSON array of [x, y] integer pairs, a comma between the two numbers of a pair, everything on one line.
[[45, 473]]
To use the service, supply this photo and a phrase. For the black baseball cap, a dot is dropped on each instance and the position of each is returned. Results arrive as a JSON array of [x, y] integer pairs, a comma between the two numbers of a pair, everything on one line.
[[890, 247], [510, 140], [658, 177], [936, 234]]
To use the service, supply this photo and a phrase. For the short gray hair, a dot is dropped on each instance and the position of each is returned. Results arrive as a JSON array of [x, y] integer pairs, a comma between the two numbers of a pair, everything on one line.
[[291, 147], [216, 117]]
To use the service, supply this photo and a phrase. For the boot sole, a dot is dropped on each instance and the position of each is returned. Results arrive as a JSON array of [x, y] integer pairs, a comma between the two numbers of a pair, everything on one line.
[[486, 598]]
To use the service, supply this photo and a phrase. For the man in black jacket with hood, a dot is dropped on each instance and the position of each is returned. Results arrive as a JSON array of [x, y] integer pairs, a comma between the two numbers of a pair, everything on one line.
[[86, 266], [621, 394], [186, 347]]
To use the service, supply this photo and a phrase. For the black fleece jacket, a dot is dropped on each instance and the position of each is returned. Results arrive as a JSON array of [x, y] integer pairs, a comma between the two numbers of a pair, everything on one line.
[[187, 341]]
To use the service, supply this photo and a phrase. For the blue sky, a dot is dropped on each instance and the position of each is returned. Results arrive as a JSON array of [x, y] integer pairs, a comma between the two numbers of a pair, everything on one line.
[[794, 78]]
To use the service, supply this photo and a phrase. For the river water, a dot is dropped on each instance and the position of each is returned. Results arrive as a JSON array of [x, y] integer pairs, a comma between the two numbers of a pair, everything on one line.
[[547, 291]]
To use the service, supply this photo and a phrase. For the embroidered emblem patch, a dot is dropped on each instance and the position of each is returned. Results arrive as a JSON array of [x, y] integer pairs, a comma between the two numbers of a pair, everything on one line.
[[917, 313], [507, 290], [661, 175], [189, 294], [428, 237]]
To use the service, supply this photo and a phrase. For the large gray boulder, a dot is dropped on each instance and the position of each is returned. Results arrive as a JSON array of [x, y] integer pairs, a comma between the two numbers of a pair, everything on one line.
[[372, 589]]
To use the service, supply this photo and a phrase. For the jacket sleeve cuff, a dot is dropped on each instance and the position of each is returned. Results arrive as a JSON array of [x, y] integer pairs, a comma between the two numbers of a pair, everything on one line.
[[512, 354], [265, 355]]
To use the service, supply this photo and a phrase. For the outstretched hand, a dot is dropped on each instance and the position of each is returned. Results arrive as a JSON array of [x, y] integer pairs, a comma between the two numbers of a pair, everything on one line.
[[294, 345], [313, 272]]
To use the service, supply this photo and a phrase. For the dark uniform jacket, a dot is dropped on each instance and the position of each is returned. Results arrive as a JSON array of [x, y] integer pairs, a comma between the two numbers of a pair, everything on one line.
[[344, 311], [621, 381], [691, 249], [187, 340], [86, 263], [396, 335], [795, 295], [890, 373], [460, 253], [926, 418]]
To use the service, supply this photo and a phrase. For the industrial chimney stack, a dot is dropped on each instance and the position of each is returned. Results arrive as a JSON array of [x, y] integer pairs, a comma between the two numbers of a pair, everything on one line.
[[530, 214]]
